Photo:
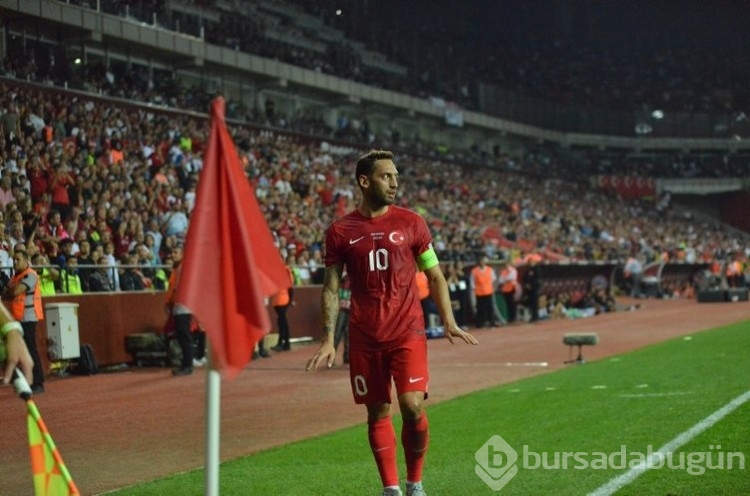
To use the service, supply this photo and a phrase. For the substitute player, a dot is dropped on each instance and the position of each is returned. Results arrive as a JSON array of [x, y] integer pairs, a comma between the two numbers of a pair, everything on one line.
[[381, 244]]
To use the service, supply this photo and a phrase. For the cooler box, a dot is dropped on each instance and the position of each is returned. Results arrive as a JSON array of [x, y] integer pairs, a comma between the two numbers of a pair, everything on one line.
[[62, 331]]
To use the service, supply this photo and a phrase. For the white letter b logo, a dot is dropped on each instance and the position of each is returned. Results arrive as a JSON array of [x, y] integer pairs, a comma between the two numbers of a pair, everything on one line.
[[496, 463]]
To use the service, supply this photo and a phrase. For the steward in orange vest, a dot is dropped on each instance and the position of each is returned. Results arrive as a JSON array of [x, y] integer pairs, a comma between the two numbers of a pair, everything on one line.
[[281, 302], [483, 279], [734, 274], [20, 300], [25, 305], [284, 296], [182, 321], [508, 284]]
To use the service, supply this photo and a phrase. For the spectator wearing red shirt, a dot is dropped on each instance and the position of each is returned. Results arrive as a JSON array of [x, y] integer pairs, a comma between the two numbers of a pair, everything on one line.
[[53, 228], [37, 172], [122, 238], [60, 180]]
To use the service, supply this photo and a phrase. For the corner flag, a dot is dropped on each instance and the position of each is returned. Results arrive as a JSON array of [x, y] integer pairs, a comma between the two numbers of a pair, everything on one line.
[[230, 261], [51, 476]]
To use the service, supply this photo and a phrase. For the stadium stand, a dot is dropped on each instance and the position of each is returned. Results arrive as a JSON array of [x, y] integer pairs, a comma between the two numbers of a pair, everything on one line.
[[130, 134]]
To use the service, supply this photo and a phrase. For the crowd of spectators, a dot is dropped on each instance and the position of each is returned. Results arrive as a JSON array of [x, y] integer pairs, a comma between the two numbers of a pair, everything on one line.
[[162, 88], [674, 75], [115, 186], [688, 77], [585, 164]]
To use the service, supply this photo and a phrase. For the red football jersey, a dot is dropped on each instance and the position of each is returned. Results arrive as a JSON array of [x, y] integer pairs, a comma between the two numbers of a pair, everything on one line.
[[380, 255]]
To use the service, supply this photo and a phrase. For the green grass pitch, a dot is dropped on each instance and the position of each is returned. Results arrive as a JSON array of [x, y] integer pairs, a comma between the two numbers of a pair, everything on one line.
[[640, 399]]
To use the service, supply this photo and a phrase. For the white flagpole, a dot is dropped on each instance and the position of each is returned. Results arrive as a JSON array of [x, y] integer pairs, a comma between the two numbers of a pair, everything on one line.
[[213, 415]]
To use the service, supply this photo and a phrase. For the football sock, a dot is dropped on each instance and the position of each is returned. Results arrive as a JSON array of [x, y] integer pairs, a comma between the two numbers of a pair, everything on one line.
[[383, 444], [415, 437]]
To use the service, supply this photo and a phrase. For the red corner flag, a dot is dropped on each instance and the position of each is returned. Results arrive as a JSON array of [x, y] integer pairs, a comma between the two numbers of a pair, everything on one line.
[[230, 262]]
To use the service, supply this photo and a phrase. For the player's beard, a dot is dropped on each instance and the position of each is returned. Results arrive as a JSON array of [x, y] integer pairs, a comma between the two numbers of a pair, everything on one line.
[[378, 199], [382, 199]]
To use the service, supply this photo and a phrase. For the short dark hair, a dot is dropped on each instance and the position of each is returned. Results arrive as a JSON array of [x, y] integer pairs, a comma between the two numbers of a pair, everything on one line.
[[366, 162]]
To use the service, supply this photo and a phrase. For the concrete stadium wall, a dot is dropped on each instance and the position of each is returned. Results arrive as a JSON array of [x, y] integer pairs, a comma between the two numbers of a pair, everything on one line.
[[105, 319]]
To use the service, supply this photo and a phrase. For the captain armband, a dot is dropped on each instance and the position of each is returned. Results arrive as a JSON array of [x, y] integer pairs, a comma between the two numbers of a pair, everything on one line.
[[10, 326], [427, 259]]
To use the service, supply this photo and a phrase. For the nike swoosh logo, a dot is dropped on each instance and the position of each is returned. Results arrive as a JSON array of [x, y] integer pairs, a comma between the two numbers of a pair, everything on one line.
[[412, 380], [352, 241]]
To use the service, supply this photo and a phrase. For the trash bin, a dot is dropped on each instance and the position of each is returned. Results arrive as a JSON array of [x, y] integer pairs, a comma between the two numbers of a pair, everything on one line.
[[62, 331]]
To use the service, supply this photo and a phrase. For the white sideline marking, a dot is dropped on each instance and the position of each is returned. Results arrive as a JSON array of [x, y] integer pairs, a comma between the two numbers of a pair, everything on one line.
[[617, 483], [655, 395], [501, 364], [525, 364]]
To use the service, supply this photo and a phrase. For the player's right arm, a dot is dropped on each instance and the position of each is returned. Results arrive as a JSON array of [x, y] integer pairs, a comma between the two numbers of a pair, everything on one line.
[[330, 309], [330, 300]]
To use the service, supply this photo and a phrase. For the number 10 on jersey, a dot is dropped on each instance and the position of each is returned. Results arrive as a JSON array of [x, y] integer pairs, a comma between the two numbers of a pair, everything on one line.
[[378, 259]]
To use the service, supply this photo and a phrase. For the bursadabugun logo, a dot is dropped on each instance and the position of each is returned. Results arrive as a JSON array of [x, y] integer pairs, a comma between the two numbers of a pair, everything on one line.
[[496, 463]]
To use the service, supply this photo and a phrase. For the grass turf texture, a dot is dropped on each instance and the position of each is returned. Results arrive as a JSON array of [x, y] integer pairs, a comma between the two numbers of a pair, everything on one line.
[[643, 398]]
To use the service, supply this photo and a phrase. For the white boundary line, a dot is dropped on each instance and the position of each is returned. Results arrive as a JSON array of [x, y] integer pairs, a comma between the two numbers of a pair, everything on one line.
[[497, 364], [655, 395], [621, 481]]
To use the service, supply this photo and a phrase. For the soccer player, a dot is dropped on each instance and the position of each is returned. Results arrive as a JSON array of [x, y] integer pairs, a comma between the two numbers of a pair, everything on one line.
[[382, 245]]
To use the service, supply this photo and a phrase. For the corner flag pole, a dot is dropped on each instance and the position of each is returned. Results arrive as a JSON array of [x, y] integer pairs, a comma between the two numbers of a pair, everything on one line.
[[213, 421]]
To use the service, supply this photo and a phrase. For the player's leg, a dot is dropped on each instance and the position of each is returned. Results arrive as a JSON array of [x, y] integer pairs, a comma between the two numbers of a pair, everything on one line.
[[371, 386], [415, 436], [382, 437], [410, 373]]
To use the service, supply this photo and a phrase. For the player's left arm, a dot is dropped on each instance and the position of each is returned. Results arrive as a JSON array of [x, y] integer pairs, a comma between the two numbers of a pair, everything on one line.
[[427, 261]]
